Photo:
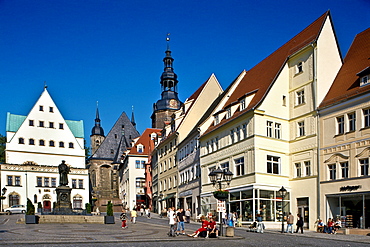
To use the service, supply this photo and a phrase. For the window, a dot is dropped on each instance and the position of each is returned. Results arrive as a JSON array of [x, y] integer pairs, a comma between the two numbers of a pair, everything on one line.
[[17, 180], [344, 168], [61, 144], [143, 164], [74, 183], [41, 108], [242, 104], [228, 114], [225, 166], [238, 133], [299, 68], [300, 97], [277, 131], [273, 164], [332, 171], [364, 167], [298, 168], [13, 200], [70, 145], [61, 126], [216, 143], [340, 125], [31, 142], [366, 113], [53, 182], [39, 181], [217, 121], [352, 122], [46, 182], [51, 125], [137, 164], [232, 138], [30, 122], [51, 109], [77, 202], [364, 80], [239, 166], [140, 183], [80, 183], [41, 142], [112, 151], [307, 165], [41, 123], [51, 144], [21, 140], [269, 129], [301, 131], [140, 148], [10, 180], [244, 128]]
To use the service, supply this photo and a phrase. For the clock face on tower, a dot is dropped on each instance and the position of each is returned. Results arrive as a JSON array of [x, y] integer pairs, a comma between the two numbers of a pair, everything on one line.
[[173, 103]]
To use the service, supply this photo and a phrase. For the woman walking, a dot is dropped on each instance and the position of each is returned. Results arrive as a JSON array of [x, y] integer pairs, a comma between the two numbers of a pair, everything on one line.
[[299, 223]]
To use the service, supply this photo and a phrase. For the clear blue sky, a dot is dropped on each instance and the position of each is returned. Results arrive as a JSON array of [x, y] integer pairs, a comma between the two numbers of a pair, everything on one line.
[[111, 51]]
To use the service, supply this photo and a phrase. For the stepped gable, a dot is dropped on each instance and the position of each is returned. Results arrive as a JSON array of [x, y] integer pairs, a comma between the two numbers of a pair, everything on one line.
[[117, 141], [356, 64], [260, 78]]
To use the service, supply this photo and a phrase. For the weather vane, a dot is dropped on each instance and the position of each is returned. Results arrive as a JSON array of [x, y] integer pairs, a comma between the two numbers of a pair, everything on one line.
[[45, 86], [168, 41]]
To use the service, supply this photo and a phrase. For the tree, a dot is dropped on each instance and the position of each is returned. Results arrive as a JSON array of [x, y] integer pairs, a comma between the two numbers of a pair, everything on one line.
[[2, 148]]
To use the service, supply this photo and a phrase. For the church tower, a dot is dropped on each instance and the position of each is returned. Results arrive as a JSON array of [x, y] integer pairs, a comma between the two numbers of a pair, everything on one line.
[[97, 134], [169, 102]]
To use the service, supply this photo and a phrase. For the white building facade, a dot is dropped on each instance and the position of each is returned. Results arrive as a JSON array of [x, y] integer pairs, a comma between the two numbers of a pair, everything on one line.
[[36, 145]]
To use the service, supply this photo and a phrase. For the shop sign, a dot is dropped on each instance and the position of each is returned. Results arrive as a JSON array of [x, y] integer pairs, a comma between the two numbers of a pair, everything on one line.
[[350, 188], [221, 206]]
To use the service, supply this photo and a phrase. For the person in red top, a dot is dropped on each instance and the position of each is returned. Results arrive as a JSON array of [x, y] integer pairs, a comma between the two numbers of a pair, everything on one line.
[[202, 229], [212, 227], [329, 226]]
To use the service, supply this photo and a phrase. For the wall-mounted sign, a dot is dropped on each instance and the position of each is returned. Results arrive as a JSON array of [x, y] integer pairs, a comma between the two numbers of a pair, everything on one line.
[[350, 188]]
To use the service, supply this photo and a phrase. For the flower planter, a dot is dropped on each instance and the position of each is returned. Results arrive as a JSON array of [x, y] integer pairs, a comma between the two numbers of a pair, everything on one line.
[[221, 195], [31, 219], [108, 219]]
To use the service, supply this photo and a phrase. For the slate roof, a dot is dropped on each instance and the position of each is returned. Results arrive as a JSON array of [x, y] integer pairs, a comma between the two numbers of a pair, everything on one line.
[[261, 77], [117, 141], [356, 64]]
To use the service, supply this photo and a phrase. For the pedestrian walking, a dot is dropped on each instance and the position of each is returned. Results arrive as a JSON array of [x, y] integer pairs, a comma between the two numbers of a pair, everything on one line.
[[133, 215], [171, 221], [180, 222], [299, 223], [260, 225], [123, 218], [187, 215], [290, 222]]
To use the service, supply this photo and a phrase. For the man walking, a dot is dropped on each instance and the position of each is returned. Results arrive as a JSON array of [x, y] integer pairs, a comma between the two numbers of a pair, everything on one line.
[[180, 221], [290, 222]]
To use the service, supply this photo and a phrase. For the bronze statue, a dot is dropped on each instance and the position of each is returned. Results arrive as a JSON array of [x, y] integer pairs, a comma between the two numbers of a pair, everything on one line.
[[63, 174]]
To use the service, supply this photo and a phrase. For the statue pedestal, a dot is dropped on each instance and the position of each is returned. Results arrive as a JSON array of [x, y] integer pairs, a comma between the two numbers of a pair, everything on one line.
[[63, 205]]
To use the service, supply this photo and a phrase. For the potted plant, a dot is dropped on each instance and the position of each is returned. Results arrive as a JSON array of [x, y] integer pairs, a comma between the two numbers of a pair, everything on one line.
[[221, 195], [109, 218], [30, 213], [88, 208]]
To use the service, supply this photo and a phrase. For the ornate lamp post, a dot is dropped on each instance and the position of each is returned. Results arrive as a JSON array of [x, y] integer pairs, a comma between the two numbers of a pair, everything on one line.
[[217, 177], [2, 198], [282, 192]]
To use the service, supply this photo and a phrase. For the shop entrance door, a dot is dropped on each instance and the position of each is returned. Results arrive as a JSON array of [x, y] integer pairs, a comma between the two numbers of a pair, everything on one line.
[[303, 210]]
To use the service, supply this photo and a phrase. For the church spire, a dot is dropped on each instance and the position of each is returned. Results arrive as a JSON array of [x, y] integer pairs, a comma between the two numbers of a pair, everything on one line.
[[133, 117], [97, 129]]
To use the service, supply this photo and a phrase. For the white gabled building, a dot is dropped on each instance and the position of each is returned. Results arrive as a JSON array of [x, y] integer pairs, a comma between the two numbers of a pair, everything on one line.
[[36, 145]]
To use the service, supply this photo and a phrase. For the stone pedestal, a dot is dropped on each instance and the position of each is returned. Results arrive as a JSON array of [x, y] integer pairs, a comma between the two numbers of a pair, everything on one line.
[[63, 205], [230, 231]]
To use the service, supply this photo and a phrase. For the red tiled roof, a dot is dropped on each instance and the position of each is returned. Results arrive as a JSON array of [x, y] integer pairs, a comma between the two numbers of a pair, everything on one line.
[[146, 141], [347, 83], [262, 76]]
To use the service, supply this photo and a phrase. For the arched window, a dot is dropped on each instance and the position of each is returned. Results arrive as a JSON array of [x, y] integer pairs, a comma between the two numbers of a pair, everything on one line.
[[35, 198], [61, 144], [51, 144], [31, 141], [41, 142], [13, 199], [77, 202], [70, 145], [21, 140]]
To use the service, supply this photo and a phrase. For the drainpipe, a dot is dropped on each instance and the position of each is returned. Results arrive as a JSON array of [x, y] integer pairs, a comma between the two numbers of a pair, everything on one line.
[[314, 87]]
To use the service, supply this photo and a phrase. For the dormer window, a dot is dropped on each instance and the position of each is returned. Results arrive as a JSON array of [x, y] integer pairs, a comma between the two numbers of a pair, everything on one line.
[[364, 80], [140, 148], [242, 104], [228, 114], [299, 68], [217, 119]]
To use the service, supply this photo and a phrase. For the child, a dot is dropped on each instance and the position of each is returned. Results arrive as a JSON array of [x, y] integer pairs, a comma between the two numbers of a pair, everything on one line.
[[123, 217]]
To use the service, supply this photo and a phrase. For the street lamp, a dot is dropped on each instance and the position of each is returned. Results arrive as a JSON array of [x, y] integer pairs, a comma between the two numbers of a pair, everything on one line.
[[2, 198], [282, 193], [217, 177]]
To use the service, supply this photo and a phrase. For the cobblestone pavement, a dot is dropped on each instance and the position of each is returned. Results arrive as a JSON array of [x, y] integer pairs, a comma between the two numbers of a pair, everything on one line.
[[153, 232]]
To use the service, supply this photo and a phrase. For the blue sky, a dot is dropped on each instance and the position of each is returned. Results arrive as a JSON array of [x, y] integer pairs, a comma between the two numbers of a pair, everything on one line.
[[111, 51]]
